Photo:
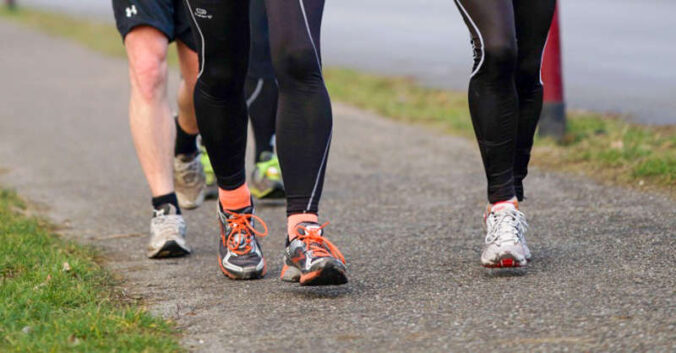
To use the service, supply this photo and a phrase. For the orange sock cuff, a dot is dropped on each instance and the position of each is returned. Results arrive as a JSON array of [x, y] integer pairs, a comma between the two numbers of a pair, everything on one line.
[[235, 199], [513, 201], [296, 219]]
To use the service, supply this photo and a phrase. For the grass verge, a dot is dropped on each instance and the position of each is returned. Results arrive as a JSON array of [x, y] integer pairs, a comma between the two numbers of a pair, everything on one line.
[[602, 146], [55, 298]]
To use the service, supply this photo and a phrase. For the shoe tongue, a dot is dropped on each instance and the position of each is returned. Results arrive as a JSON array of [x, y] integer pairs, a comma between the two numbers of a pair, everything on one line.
[[309, 226], [245, 210], [165, 210]]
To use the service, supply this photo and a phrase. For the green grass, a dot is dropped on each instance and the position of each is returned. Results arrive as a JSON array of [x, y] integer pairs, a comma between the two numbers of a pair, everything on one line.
[[602, 146], [46, 307], [612, 149], [401, 99]]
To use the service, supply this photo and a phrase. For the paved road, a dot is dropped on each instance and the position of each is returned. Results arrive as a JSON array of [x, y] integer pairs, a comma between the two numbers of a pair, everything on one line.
[[405, 204], [619, 54]]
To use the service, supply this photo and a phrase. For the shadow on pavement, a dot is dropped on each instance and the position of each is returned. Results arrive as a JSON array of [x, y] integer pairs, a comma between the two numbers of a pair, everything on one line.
[[506, 272], [320, 292]]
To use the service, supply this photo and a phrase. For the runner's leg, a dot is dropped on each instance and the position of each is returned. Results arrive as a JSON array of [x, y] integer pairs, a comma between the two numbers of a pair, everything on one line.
[[533, 19], [493, 98], [261, 85], [189, 176], [221, 29], [146, 29], [505, 98], [149, 114], [262, 102], [186, 124], [304, 125], [189, 66], [304, 118]]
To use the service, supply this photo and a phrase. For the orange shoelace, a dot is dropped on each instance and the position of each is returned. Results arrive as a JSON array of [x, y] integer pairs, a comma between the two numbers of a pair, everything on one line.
[[313, 241], [239, 223]]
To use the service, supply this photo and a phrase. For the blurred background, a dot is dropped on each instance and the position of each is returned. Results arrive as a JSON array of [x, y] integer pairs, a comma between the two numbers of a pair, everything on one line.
[[618, 55]]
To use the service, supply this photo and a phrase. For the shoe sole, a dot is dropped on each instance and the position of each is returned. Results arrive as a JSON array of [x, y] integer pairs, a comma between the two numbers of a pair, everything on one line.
[[290, 274], [246, 275], [506, 262], [168, 250], [329, 274]]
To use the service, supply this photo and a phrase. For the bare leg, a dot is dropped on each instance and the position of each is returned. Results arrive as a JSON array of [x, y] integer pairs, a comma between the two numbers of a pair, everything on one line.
[[149, 114], [189, 66]]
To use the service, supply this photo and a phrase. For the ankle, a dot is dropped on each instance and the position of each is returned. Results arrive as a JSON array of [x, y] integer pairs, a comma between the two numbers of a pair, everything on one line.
[[512, 201], [235, 199], [186, 143], [296, 219], [169, 198]]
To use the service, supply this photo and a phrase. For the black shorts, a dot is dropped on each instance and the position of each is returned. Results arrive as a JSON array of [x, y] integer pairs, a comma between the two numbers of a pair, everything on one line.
[[168, 16]]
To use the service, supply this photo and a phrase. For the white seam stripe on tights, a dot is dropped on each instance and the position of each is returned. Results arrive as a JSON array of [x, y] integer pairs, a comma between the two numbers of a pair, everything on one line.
[[481, 38]]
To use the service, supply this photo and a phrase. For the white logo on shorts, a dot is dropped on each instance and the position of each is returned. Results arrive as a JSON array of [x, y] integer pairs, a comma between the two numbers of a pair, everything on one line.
[[131, 11], [202, 13]]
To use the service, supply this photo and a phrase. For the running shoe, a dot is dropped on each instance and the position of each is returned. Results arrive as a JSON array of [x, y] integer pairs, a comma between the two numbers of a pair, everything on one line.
[[523, 228], [189, 180], [505, 239], [211, 191], [167, 234], [239, 254], [312, 259], [266, 180]]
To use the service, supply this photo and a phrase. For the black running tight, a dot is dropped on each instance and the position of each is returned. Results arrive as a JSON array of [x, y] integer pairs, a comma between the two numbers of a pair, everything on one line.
[[261, 85], [304, 120], [505, 91], [221, 30]]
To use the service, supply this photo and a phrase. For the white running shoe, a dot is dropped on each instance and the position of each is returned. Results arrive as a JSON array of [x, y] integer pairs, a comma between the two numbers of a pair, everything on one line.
[[167, 234], [189, 180], [523, 228], [505, 244]]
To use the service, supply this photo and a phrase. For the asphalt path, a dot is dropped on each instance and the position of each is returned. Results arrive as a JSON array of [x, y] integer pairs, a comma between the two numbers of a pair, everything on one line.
[[619, 55], [405, 205]]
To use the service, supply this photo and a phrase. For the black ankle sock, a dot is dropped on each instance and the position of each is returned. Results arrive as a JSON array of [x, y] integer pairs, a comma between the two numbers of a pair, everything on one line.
[[185, 142], [166, 199]]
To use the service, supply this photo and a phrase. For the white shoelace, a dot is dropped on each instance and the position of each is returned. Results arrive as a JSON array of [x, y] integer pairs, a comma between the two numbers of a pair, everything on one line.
[[168, 223], [505, 225]]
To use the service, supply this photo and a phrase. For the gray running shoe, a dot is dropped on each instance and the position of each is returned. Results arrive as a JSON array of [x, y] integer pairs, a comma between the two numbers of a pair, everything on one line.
[[167, 234], [313, 260], [189, 180], [239, 254]]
